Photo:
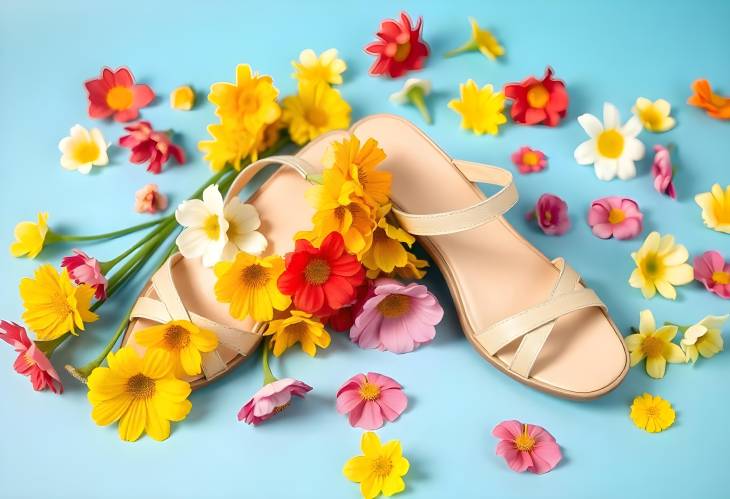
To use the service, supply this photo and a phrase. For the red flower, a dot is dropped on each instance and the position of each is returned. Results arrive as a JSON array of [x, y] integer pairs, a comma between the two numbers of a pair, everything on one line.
[[321, 280], [148, 145], [31, 361], [538, 101], [116, 94], [342, 319], [400, 48]]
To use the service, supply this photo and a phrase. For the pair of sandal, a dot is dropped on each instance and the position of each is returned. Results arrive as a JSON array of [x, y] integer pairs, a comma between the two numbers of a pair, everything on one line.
[[530, 317]]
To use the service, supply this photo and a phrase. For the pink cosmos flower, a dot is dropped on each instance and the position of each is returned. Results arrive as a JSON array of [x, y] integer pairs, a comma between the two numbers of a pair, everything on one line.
[[661, 170], [271, 399], [371, 399], [150, 145], [527, 447], [551, 214], [31, 361], [614, 216], [397, 318], [529, 160], [712, 271], [86, 270], [149, 199]]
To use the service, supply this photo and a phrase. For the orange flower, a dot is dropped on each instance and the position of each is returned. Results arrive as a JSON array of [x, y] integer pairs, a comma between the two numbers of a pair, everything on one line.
[[717, 106]]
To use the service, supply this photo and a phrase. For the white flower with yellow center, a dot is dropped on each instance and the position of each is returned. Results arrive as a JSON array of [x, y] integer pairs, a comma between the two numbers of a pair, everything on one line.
[[704, 338], [612, 148], [83, 149]]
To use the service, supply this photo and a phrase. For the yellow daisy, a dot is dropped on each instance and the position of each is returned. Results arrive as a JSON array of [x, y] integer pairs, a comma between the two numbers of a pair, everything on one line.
[[381, 468], [140, 393], [480, 109], [232, 143], [660, 265], [654, 345], [654, 115], [482, 40], [716, 208], [251, 100], [268, 136], [326, 67], [316, 109], [249, 284], [183, 340], [386, 253], [704, 338], [652, 414], [298, 327], [53, 305], [30, 237]]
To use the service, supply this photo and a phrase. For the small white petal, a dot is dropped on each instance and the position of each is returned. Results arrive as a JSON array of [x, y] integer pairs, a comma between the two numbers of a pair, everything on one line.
[[252, 242], [192, 213], [585, 153], [626, 168], [192, 242], [632, 128], [606, 168], [85, 168], [213, 199], [634, 149], [590, 124], [611, 118]]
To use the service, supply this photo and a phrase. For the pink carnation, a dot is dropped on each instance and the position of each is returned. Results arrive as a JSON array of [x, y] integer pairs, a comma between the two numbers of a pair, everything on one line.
[[150, 145], [371, 399], [551, 214], [271, 399], [527, 447], [614, 216], [86, 270], [397, 318], [149, 199], [712, 271], [31, 361], [662, 171], [529, 160]]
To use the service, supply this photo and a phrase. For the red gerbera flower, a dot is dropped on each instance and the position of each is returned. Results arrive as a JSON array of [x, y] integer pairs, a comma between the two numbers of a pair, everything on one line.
[[538, 101], [342, 319], [115, 94], [321, 280], [149, 145], [400, 48]]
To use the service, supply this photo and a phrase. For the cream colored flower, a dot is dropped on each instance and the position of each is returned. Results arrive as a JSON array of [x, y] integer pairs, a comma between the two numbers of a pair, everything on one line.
[[716, 208], [660, 265], [83, 149], [704, 338], [654, 116], [326, 67], [414, 92]]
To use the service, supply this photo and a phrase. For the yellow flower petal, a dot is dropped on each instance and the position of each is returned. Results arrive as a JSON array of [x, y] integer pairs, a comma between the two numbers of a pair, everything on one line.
[[716, 208], [656, 366], [132, 422], [182, 98]]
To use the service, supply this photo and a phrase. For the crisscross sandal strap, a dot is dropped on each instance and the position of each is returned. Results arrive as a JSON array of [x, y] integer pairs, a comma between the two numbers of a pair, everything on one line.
[[248, 173], [449, 222]]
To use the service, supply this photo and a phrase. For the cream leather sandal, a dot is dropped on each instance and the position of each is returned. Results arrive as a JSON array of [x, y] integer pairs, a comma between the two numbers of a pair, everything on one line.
[[530, 317]]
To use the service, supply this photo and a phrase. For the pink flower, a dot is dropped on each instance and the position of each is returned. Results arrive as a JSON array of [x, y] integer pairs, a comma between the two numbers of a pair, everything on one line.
[[615, 216], [397, 318], [271, 399], [150, 145], [661, 170], [149, 199], [527, 447], [371, 399], [31, 361], [712, 271], [551, 213], [529, 160], [86, 270]]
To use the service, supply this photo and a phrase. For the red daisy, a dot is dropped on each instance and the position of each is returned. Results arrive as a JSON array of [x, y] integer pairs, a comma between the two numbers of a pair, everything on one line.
[[149, 145], [115, 94], [400, 48], [321, 280], [538, 101]]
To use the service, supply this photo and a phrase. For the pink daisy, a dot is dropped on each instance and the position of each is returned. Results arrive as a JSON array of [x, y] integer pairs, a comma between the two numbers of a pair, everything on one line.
[[31, 361], [271, 399], [529, 160], [86, 270], [371, 399], [712, 271], [527, 447], [614, 216], [551, 214]]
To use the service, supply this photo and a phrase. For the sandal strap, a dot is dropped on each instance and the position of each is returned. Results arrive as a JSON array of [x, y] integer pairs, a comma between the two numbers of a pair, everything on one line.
[[248, 173], [450, 222]]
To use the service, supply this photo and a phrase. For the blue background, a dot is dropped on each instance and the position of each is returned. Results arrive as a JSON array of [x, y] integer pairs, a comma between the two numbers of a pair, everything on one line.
[[605, 51]]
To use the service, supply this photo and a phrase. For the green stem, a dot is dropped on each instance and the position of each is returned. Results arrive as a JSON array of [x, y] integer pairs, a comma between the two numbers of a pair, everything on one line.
[[107, 266], [416, 96], [52, 237], [149, 247], [468, 46], [268, 375]]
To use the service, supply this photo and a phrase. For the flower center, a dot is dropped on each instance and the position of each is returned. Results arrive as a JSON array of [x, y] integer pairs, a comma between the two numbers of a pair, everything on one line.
[[255, 276], [211, 227], [369, 391], [538, 96], [176, 337], [547, 216], [610, 143], [652, 117], [317, 271], [382, 466], [616, 216], [524, 442], [395, 305], [297, 329], [119, 98], [339, 213], [28, 360], [652, 411], [530, 158], [721, 277], [281, 407], [316, 117], [140, 386], [652, 266], [86, 152], [248, 103], [402, 51], [652, 346], [60, 305]]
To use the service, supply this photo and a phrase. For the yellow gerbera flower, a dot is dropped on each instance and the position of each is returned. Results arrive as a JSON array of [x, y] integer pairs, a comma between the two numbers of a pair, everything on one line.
[[704, 338], [652, 414], [716, 208], [316, 109], [386, 253], [298, 327], [183, 340], [482, 40], [249, 284], [654, 115], [655, 345], [53, 305], [359, 166], [480, 109], [326, 67], [379, 469], [30, 237], [251, 100], [660, 265], [140, 393], [232, 143]]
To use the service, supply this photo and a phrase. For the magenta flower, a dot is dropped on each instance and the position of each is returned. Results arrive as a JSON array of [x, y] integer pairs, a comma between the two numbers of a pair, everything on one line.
[[31, 361], [86, 270], [271, 399], [712, 271], [397, 318], [615, 216], [149, 200], [551, 214], [662, 171], [371, 399], [529, 160], [527, 447], [148, 144]]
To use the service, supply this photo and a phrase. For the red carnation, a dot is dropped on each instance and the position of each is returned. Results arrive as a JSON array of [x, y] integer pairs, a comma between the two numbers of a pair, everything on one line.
[[400, 48], [321, 280], [115, 94], [537, 101], [149, 145]]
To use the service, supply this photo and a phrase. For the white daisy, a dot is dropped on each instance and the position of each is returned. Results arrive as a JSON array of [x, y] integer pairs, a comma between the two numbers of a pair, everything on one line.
[[206, 228], [612, 148], [82, 149]]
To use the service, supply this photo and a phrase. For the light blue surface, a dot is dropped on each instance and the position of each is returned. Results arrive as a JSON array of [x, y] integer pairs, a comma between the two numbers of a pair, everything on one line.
[[605, 51]]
